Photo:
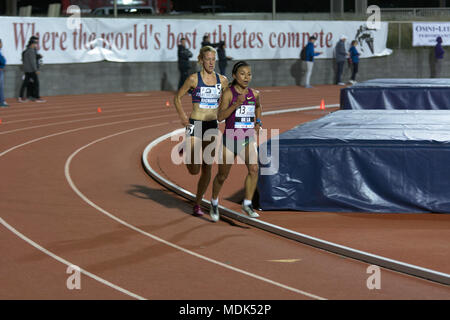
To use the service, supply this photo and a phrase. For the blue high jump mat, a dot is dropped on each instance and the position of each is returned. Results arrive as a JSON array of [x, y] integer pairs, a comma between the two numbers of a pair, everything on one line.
[[361, 161], [413, 94]]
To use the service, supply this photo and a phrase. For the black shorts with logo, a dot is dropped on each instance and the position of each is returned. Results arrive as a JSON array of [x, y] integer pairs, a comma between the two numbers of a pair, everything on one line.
[[236, 146], [198, 128]]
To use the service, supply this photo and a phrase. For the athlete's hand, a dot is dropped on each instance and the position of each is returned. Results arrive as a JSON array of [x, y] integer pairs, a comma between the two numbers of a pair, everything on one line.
[[240, 100], [185, 122]]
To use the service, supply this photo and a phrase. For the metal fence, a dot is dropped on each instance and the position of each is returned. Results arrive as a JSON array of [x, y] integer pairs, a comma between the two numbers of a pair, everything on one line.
[[414, 13], [387, 14], [400, 19]]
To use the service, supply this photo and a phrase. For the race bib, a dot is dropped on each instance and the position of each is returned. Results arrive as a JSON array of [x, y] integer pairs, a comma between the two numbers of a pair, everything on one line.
[[209, 97], [245, 117]]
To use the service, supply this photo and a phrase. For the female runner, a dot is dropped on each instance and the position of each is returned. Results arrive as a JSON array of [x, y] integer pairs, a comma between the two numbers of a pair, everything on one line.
[[206, 89], [241, 107]]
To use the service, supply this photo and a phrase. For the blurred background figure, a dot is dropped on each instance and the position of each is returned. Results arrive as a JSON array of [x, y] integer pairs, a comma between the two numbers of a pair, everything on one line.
[[341, 56], [207, 42], [3, 103], [354, 60], [223, 58], [308, 59], [183, 61], [438, 58], [30, 61]]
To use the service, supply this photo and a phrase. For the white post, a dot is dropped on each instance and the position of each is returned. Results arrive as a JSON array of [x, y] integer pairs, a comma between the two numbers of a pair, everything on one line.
[[360, 7], [274, 9], [337, 7]]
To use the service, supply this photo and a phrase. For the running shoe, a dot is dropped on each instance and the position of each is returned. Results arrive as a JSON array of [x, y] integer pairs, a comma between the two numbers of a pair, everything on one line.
[[214, 213], [4, 105], [39, 100], [197, 211], [22, 100], [249, 210]]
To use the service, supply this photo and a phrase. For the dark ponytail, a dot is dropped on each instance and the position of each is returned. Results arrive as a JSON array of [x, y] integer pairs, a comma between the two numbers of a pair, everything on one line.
[[236, 67]]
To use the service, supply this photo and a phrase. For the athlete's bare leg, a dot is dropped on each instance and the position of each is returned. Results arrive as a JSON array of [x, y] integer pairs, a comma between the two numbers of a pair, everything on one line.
[[251, 180], [222, 174], [194, 150], [205, 176]]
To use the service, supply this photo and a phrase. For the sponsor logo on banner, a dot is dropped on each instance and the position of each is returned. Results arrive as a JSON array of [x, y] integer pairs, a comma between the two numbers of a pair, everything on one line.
[[425, 33]]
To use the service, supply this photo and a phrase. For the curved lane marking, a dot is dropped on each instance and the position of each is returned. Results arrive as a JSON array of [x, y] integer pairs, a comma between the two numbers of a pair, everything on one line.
[[156, 238], [402, 267], [42, 249]]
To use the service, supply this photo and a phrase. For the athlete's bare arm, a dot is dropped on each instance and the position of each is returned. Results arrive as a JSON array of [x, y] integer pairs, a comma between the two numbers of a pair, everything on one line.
[[223, 82], [258, 107], [190, 83]]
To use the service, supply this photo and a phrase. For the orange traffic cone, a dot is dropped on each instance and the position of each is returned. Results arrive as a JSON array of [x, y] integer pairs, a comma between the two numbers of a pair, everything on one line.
[[322, 104], [167, 103], [0, 120], [99, 109]]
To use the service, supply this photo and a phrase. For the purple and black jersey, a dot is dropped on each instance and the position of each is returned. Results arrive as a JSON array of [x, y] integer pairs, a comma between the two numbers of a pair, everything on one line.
[[241, 122]]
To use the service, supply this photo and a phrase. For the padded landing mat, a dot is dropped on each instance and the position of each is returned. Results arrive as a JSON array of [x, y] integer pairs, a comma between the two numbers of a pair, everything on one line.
[[361, 160], [413, 94]]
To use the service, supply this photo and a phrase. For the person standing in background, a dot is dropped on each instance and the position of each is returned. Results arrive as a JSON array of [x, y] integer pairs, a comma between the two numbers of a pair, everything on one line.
[[183, 62], [30, 68], [341, 56], [309, 60], [3, 103], [438, 58], [354, 58], [207, 42], [223, 59]]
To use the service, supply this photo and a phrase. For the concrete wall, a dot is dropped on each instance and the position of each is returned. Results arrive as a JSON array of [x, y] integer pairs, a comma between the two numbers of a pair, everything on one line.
[[102, 77]]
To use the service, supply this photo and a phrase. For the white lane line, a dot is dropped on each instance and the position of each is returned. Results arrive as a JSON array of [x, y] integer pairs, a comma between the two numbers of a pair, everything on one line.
[[402, 267], [67, 115], [3, 222], [67, 263], [70, 131], [170, 244], [66, 107], [21, 108], [88, 119], [271, 112], [37, 246]]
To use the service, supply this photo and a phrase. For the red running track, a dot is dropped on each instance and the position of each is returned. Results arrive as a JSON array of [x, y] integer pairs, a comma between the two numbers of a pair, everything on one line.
[[73, 192]]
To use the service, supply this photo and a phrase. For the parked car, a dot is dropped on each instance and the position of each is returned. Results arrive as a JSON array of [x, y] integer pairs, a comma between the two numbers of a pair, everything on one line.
[[123, 10]]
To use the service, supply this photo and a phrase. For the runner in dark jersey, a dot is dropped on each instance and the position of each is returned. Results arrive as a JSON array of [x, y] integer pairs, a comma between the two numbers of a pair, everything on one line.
[[241, 107], [206, 89]]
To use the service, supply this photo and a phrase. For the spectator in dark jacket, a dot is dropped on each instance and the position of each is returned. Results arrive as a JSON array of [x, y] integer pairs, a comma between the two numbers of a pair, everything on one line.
[[30, 63], [341, 56], [3, 103], [223, 58], [207, 42], [183, 61], [438, 58], [354, 59]]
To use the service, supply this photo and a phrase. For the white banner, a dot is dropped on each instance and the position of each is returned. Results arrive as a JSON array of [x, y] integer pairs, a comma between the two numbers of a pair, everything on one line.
[[425, 33], [138, 40]]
